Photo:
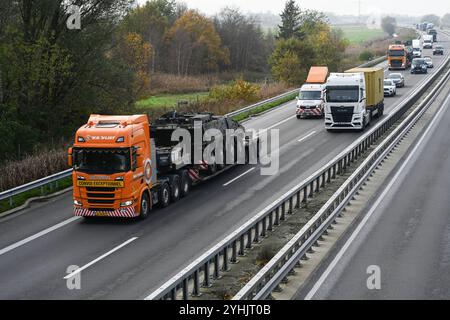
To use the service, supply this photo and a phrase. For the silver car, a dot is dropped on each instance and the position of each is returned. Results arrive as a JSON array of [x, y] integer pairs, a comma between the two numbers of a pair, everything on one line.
[[428, 61], [398, 79]]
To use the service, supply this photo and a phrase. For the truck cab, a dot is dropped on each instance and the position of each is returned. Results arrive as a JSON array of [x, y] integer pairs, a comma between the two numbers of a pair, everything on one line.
[[113, 167], [310, 101], [345, 95], [398, 57], [428, 41]]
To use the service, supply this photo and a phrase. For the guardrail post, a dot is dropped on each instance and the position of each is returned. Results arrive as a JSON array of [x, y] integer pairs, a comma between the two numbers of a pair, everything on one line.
[[249, 238], [311, 189], [317, 184], [264, 227], [277, 216], [185, 289], [11, 202], [206, 278], [216, 267], [242, 246], [256, 238], [234, 252], [42, 190], [291, 205], [283, 212], [329, 175], [173, 294], [297, 204], [305, 195], [225, 260], [270, 228], [196, 289]]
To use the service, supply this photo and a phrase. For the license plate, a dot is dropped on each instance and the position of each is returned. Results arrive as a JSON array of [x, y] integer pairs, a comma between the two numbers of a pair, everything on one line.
[[107, 184], [101, 213]]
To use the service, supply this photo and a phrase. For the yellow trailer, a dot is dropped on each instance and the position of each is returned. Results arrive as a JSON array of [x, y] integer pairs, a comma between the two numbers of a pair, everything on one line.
[[374, 86]]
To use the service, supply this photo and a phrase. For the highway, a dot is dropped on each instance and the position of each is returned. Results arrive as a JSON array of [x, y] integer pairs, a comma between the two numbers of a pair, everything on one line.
[[38, 244], [406, 235]]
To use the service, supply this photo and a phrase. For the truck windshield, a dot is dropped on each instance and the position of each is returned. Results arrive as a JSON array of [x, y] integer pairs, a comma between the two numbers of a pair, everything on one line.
[[396, 53], [102, 161], [310, 95], [346, 94]]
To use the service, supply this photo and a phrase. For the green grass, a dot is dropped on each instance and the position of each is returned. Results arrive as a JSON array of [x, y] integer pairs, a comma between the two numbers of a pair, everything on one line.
[[358, 34], [20, 199], [264, 107], [170, 100]]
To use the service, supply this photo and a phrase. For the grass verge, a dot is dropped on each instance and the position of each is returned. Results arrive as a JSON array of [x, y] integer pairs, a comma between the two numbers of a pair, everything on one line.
[[170, 100], [20, 199]]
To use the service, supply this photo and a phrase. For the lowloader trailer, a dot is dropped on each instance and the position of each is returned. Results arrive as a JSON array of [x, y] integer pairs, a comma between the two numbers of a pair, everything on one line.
[[123, 166]]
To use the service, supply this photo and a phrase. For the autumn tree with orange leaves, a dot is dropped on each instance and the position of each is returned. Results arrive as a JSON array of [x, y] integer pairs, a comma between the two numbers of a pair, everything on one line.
[[194, 45]]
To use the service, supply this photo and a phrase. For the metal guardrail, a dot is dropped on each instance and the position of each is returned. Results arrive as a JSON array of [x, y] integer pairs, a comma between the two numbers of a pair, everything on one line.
[[261, 103], [33, 185], [60, 175], [278, 268], [218, 258]]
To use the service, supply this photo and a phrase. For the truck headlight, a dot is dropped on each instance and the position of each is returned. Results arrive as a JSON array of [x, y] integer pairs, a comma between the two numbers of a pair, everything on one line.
[[77, 203], [126, 203]]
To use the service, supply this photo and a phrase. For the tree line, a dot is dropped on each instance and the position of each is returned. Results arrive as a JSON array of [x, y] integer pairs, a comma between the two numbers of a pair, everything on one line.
[[52, 77]]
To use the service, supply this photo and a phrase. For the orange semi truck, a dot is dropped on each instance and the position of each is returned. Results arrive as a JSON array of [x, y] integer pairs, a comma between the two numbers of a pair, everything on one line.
[[123, 166], [398, 57]]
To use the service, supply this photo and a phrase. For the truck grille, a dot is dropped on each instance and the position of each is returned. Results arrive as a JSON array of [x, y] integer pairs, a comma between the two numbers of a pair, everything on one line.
[[100, 201], [100, 189], [342, 114], [101, 195], [396, 63]]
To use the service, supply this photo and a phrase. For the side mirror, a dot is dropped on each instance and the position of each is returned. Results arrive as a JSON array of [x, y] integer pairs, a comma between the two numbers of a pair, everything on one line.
[[70, 157]]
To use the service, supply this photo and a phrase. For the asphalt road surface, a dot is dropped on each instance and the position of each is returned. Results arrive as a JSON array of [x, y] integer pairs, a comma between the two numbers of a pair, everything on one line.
[[407, 234], [129, 259]]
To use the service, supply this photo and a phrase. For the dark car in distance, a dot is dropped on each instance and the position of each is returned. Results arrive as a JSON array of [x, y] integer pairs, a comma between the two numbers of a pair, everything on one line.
[[438, 50], [419, 65]]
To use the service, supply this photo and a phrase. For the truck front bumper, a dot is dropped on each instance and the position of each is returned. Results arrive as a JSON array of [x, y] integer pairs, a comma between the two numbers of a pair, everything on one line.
[[126, 212]]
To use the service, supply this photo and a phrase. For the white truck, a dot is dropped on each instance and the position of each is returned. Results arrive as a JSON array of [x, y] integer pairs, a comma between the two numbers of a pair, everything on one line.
[[353, 98], [310, 101], [428, 41], [417, 51]]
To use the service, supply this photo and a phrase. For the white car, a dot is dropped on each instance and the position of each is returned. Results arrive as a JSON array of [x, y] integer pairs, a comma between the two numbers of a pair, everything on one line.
[[429, 62], [390, 89]]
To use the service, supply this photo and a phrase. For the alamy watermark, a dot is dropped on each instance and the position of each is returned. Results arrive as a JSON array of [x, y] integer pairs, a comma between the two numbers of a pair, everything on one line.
[[215, 147], [73, 278], [374, 280], [74, 20]]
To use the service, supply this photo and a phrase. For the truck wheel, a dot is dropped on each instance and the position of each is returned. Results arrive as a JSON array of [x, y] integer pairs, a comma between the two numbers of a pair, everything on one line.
[[144, 207], [186, 184], [164, 195], [175, 189]]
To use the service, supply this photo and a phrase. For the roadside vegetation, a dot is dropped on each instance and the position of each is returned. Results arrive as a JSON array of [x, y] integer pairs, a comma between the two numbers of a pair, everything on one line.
[[147, 58]]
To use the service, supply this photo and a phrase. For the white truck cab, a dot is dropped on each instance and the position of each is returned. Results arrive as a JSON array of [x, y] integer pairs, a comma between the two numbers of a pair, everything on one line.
[[310, 100], [345, 101]]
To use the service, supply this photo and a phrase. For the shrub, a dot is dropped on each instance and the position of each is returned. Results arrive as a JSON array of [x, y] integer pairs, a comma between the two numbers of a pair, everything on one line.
[[239, 90], [366, 55]]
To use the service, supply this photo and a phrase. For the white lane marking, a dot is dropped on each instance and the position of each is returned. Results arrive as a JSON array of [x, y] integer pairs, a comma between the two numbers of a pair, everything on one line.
[[37, 235], [307, 136], [100, 258], [355, 233], [276, 124], [239, 176]]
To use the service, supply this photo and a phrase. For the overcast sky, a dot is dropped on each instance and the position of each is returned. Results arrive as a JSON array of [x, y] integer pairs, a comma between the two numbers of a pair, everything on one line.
[[407, 7]]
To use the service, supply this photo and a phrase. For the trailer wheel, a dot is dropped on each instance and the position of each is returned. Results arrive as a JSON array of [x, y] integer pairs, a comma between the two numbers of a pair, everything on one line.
[[164, 195], [175, 189], [144, 207], [186, 184]]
